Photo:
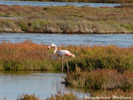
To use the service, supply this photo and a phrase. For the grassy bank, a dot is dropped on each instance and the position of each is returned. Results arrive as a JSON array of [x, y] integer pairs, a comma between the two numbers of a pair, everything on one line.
[[101, 79], [90, 1], [30, 56], [67, 19]]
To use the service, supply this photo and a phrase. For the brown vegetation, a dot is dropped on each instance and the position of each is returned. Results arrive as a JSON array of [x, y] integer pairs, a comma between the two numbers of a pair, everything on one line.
[[28, 97], [58, 96], [30, 56], [67, 19], [101, 79]]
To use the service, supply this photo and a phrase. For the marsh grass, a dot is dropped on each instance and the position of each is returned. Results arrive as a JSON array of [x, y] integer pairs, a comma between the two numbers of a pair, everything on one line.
[[31, 56], [101, 79], [67, 19]]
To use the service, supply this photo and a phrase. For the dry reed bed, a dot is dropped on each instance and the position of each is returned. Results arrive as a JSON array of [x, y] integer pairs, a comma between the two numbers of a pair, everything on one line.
[[30, 56], [67, 19]]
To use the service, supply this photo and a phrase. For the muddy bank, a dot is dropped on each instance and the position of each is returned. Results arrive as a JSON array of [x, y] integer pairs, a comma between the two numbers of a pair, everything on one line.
[[67, 19]]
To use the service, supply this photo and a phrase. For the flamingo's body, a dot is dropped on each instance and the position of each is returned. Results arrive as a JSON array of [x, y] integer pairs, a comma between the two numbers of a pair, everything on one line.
[[63, 54]]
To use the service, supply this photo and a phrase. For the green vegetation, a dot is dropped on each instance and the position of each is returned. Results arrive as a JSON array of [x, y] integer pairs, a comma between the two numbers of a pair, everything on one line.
[[67, 19], [30, 56], [94, 1], [101, 79]]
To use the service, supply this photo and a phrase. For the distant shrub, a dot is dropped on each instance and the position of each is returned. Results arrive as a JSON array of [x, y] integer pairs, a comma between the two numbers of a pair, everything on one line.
[[28, 97], [23, 26]]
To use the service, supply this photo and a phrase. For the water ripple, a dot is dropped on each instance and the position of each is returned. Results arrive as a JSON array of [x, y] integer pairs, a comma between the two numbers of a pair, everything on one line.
[[36, 3], [121, 40]]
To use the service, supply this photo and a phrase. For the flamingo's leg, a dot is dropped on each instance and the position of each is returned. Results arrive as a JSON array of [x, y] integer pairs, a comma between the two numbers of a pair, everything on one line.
[[67, 66], [62, 65]]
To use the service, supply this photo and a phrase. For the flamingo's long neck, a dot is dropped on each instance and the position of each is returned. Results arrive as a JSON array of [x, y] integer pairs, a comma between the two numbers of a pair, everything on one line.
[[55, 49], [53, 55]]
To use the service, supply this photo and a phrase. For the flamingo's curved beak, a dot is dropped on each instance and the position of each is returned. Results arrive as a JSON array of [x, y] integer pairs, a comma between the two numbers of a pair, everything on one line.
[[73, 55]]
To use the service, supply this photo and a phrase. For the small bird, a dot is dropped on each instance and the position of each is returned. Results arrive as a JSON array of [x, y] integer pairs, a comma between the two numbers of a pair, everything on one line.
[[62, 54]]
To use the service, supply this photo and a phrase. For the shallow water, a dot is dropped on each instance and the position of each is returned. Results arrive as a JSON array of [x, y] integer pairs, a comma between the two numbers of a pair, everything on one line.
[[42, 84], [121, 40], [36, 3]]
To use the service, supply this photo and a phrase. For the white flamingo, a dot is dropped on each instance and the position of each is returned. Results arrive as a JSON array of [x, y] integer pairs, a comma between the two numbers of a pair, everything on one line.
[[62, 54]]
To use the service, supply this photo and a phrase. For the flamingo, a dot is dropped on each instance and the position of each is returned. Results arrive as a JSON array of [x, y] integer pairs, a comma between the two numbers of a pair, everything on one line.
[[62, 54]]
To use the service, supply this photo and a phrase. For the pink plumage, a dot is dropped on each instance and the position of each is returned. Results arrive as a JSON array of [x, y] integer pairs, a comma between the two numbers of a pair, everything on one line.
[[63, 54]]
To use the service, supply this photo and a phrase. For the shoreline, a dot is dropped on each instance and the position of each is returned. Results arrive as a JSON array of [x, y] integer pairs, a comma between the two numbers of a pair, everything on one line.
[[66, 32]]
